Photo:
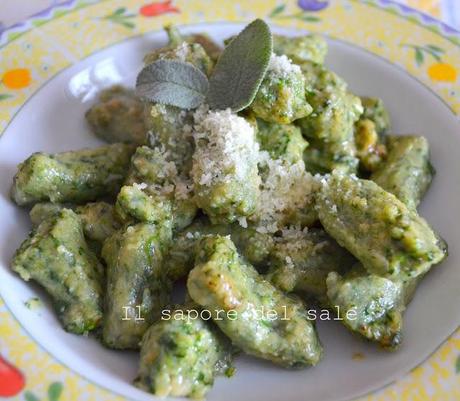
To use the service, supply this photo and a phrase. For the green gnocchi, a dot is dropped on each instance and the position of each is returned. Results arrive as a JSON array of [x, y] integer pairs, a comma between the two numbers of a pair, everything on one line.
[[304, 196]]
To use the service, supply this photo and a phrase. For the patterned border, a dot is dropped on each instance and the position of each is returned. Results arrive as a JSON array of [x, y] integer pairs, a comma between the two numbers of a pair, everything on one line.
[[412, 64], [54, 11], [419, 17], [425, 19]]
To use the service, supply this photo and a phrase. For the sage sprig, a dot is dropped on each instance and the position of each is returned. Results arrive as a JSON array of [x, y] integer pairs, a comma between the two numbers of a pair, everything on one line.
[[173, 82], [241, 68], [233, 83]]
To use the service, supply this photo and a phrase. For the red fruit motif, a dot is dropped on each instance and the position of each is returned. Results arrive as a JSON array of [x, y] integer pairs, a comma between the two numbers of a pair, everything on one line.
[[11, 379], [158, 8]]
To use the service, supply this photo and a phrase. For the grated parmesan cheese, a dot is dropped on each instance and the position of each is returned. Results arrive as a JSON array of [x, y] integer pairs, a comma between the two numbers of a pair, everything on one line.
[[286, 188], [183, 188], [292, 233], [140, 186], [226, 147], [187, 129], [242, 221], [292, 240], [292, 243], [182, 51], [179, 53], [282, 65], [168, 181]]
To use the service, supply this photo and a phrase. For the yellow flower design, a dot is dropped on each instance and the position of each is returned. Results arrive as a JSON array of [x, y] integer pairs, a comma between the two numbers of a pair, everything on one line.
[[439, 71], [442, 72], [17, 78]]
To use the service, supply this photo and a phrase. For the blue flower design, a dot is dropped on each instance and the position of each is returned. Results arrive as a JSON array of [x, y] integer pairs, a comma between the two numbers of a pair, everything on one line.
[[312, 5]]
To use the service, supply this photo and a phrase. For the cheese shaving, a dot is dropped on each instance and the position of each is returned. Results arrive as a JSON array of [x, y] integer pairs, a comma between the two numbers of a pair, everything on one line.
[[226, 148]]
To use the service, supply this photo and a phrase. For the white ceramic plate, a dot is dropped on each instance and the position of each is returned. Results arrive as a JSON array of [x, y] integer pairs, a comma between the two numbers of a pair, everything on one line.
[[52, 121]]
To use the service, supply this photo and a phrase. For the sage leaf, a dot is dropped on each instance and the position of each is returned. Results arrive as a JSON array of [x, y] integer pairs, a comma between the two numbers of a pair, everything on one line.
[[172, 82], [241, 68]]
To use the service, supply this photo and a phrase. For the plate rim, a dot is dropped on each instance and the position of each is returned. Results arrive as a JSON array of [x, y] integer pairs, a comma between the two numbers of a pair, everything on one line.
[[75, 5]]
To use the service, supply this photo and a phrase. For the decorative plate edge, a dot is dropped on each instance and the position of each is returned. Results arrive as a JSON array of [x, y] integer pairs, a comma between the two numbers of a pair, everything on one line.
[[12, 32]]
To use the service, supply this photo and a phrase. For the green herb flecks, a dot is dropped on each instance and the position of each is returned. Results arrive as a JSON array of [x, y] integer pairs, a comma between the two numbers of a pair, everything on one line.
[[33, 303]]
